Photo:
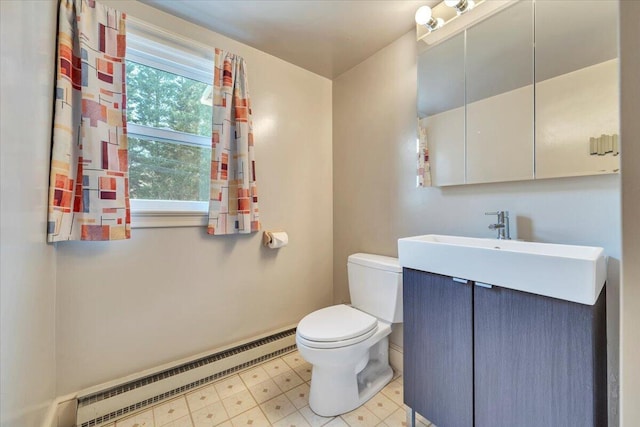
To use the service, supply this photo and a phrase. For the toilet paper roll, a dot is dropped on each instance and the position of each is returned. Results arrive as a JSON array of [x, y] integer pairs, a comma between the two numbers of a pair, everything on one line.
[[275, 239]]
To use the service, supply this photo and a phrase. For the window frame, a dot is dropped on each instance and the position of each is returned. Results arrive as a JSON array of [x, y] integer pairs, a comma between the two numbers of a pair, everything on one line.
[[154, 47]]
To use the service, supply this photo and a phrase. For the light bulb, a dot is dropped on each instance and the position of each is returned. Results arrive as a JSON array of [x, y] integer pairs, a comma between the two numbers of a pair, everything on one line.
[[423, 15], [461, 6]]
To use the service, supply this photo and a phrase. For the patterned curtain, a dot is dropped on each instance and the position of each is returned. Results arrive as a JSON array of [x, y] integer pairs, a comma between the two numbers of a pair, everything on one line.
[[424, 167], [233, 204], [89, 181]]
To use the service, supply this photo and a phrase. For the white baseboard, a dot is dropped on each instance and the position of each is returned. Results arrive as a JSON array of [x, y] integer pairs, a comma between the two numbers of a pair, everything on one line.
[[395, 357]]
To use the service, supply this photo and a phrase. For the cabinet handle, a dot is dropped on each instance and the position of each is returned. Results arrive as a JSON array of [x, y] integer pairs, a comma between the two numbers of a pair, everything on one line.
[[484, 285], [455, 279]]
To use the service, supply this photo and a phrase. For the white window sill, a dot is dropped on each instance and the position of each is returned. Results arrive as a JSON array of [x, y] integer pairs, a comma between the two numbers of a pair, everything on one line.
[[165, 214], [147, 219]]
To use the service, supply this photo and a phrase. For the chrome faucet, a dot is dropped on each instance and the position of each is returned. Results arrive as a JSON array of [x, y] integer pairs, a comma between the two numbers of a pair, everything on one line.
[[503, 224]]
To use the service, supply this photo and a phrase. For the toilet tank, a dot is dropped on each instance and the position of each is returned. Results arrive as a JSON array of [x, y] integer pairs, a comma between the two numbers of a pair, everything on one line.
[[375, 285]]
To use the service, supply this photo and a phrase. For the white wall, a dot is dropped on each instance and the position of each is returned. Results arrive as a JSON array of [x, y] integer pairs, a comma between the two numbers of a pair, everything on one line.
[[27, 263], [630, 295], [171, 293], [374, 139]]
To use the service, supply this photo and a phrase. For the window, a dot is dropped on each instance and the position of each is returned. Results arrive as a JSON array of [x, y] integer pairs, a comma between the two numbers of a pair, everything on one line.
[[169, 116], [169, 135]]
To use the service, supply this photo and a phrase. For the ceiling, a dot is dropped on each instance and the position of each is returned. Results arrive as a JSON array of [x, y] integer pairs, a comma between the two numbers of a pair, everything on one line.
[[327, 37]]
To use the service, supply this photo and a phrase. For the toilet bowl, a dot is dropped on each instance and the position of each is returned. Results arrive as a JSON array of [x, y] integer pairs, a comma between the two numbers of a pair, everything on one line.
[[348, 346]]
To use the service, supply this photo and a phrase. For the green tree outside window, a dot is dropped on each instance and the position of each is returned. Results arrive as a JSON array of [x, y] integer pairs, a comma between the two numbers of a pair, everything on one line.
[[166, 170]]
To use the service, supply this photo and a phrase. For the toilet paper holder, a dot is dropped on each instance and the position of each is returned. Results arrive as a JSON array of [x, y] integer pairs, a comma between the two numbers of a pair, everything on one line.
[[275, 239]]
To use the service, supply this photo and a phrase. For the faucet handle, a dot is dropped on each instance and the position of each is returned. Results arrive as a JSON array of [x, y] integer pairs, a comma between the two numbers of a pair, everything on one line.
[[501, 214], [503, 224]]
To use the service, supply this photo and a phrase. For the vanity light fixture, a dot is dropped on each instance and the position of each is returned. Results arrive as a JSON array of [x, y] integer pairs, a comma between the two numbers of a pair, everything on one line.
[[450, 17], [461, 6], [424, 17]]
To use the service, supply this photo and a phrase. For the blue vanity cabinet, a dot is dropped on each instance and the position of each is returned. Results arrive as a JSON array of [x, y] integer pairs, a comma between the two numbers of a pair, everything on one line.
[[438, 348], [538, 361], [495, 357]]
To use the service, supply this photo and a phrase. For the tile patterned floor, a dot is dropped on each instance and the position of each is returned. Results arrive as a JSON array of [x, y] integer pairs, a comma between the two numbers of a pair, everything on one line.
[[275, 393]]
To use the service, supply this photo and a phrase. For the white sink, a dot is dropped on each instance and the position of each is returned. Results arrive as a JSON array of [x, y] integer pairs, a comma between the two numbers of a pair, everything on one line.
[[568, 272]]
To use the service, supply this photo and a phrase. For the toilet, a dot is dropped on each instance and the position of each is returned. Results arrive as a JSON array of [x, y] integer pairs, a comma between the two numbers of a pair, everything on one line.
[[348, 346]]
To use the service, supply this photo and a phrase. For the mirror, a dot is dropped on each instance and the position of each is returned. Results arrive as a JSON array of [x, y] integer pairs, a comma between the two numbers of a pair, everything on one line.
[[500, 96], [576, 88], [441, 109], [491, 115]]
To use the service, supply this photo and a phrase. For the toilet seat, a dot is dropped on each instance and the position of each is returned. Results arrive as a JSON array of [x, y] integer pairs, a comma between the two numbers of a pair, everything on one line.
[[336, 326]]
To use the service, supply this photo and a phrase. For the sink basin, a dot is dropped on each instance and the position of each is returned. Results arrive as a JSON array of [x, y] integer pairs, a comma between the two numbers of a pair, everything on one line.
[[567, 272]]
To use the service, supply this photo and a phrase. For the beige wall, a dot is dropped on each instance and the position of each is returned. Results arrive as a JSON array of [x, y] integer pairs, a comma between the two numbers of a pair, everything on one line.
[[630, 295], [374, 161], [171, 293], [27, 263]]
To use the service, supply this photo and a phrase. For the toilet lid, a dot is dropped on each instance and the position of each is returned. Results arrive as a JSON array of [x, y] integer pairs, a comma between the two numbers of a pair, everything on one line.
[[336, 323]]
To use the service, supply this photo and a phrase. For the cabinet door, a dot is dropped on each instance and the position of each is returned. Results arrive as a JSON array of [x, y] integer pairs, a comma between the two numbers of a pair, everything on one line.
[[438, 359], [539, 361]]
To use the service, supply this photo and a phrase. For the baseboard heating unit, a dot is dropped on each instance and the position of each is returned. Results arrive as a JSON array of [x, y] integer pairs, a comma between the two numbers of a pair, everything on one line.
[[102, 407]]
